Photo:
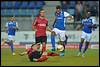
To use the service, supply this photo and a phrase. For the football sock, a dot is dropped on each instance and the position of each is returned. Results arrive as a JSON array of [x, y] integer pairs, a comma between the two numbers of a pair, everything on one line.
[[43, 48], [63, 42], [12, 48], [66, 39], [53, 41], [62, 53], [86, 47], [80, 47]]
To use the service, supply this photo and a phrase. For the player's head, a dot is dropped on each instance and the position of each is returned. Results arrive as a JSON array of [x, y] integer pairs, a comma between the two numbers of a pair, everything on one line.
[[42, 13], [32, 45], [12, 19], [88, 14], [37, 45], [58, 8]]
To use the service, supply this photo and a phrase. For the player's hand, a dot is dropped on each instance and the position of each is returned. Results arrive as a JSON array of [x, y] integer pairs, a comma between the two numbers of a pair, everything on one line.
[[51, 31], [78, 29], [33, 27], [21, 54]]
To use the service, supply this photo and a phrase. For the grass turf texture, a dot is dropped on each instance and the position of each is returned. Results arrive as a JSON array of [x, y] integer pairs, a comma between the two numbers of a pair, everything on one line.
[[70, 59]]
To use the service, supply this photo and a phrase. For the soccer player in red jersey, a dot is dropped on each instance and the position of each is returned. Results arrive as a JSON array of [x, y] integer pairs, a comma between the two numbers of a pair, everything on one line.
[[36, 55], [41, 25]]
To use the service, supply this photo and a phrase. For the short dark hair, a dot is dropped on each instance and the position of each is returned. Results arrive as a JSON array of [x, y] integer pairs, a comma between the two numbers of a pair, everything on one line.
[[32, 45], [58, 7], [41, 10]]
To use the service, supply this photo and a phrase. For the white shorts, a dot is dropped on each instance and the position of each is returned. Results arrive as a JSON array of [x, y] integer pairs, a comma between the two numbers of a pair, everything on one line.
[[86, 36], [60, 33], [11, 37]]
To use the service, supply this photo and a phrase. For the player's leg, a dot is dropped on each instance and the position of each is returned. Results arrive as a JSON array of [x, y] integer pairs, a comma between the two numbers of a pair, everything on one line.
[[52, 54], [83, 36], [10, 43], [62, 38], [87, 43], [53, 40], [66, 39], [4, 39], [86, 47], [81, 44], [44, 41], [3, 42], [37, 40]]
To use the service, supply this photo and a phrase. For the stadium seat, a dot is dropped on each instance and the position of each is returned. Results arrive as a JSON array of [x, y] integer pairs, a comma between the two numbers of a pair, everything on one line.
[[36, 12], [72, 4], [16, 12], [10, 4], [3, 12], [9, 12], [39, 4], [71, 11], [23, 12], [30, 12], [17, 4], [24, 5], [3, 4], [31, 5]]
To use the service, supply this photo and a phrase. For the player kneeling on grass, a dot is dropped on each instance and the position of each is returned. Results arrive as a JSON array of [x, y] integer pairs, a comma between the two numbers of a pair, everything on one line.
[[35, 54]]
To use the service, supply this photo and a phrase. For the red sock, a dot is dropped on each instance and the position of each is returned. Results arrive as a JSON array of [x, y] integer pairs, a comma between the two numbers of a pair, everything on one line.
[[43, 48], [52, 54]]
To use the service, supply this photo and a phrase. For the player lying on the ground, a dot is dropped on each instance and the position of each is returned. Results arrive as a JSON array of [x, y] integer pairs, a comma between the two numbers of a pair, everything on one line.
[[35, 54], [11, 27], [88, 24]]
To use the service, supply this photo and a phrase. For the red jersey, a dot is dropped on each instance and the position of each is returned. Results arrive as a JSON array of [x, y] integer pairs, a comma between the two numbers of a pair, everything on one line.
[[41, 25], [29, 51]]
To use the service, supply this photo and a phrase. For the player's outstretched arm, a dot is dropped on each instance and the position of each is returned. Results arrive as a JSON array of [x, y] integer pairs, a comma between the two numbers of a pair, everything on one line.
[[79, 27], [23, 53]]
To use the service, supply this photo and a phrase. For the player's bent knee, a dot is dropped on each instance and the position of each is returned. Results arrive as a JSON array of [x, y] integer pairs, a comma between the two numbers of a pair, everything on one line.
[[53, 33], [44, 44], [87, 43], [82, 40]]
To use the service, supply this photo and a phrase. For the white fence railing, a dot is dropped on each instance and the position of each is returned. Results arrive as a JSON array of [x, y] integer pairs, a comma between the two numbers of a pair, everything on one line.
[[29, 36]]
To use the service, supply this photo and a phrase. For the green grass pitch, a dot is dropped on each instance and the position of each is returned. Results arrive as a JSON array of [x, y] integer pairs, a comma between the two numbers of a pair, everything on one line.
[[70, 59]]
